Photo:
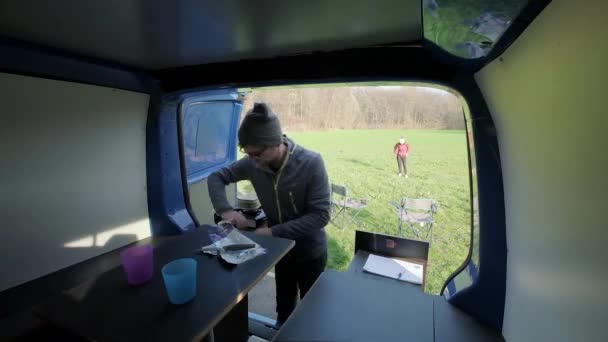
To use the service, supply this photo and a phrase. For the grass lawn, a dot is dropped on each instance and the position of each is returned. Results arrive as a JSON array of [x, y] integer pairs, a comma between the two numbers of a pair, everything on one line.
[[362, 160]]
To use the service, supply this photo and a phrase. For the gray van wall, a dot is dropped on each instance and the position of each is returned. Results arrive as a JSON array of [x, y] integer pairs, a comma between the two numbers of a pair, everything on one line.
[[72, 176], [548, 95]]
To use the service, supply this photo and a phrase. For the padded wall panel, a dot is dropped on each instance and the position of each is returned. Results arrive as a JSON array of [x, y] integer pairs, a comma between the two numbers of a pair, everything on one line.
[[548, 97], [72, 176]]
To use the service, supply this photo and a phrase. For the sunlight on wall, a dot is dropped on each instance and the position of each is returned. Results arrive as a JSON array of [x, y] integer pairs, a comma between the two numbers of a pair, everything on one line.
[[88, 241], [140, 228]]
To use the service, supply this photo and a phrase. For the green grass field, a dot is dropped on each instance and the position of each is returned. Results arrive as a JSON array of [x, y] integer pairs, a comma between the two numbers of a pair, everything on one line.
[[362, 160]]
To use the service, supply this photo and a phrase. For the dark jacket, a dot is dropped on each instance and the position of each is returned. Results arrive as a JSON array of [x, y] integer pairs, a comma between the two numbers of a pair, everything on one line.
[[296, 199]]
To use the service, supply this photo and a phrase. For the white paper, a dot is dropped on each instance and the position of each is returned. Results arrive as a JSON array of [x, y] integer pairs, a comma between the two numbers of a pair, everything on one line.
[[394, 268]]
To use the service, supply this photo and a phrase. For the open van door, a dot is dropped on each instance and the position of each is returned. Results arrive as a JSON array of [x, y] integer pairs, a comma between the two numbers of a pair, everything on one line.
[[207, 124]]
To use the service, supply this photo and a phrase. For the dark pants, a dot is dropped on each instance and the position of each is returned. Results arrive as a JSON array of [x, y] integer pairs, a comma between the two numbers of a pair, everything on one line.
[[291, 275], [402, 163]]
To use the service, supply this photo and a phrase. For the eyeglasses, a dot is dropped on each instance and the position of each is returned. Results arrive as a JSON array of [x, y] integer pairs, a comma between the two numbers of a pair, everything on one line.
[[255, 154]]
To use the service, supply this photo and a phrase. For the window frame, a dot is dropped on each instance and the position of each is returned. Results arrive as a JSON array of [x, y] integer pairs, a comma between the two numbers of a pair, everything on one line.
[[192, 177]]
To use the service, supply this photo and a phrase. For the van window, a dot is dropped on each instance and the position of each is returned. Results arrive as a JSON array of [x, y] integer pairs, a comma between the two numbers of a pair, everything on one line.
[[468, 29], [207, 128]]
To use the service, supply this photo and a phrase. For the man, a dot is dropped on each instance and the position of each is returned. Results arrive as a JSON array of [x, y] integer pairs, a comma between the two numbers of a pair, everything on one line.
[[292, 185]]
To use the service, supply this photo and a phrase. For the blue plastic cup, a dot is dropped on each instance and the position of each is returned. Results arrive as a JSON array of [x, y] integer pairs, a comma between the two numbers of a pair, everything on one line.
[[180, 280]]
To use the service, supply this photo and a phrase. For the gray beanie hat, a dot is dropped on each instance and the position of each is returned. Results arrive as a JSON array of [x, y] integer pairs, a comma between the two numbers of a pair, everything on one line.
[[260, 127]]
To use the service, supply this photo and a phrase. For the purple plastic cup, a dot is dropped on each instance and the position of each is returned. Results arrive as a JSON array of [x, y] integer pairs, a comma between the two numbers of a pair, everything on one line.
[[138, 263]]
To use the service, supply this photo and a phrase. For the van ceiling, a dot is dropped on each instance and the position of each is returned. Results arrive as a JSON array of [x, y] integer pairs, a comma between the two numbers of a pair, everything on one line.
[[156, 34]]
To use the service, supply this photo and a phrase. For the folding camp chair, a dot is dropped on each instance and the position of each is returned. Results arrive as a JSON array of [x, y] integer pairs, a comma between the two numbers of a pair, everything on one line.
[[345, 206], [417, 214]]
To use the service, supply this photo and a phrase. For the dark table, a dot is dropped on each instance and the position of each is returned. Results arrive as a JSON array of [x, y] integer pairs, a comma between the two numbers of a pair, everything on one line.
[[107, 308], [347, 307], [359, 306]]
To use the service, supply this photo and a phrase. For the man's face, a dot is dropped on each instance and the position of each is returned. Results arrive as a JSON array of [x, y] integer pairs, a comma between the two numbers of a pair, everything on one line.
[[261, 155]]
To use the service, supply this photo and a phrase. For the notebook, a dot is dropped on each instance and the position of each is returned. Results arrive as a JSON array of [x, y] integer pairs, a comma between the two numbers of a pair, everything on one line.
[[394, 268]]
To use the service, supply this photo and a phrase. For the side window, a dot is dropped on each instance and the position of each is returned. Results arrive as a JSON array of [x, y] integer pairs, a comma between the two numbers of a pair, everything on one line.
[[208, 136]]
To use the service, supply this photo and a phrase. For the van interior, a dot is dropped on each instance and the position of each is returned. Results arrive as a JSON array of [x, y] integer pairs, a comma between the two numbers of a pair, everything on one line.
[[94, 160]]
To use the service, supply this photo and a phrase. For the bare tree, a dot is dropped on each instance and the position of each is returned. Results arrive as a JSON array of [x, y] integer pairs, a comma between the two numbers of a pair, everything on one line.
[[361, 107]]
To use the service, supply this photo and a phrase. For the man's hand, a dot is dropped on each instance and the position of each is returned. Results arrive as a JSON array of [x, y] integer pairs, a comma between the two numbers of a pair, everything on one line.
[[264, 231], [236, 218]]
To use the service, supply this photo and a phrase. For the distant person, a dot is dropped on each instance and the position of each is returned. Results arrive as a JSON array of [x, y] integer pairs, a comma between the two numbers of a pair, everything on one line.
[[401, 151], [292, 186]]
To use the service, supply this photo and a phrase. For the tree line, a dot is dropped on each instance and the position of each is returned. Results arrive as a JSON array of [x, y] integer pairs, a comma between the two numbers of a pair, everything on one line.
[[328, 108]]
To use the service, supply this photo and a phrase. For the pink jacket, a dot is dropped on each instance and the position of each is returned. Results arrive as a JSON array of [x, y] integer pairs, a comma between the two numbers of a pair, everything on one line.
[[402, 150]]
